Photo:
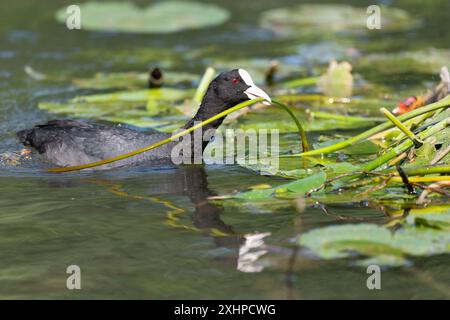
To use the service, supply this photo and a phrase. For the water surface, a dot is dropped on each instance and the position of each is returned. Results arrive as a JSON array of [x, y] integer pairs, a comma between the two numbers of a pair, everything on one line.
[[152, 233]]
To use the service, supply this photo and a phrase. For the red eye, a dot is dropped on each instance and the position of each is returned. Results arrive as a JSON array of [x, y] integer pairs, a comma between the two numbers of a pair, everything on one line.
[[235, 81]]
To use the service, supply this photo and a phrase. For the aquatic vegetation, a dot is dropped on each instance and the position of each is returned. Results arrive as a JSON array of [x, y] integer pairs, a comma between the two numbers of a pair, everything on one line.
[[409, 162], [427, 61], [401, 162], [161, 17], [309, 223], [157, 144], [330, 18], [421, 235], [175, 136], [313, 120], [337, 82], [132, 80], [133, 107], [136, 57]]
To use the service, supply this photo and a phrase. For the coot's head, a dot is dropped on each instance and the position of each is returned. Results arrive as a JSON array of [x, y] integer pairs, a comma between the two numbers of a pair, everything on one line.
[[233, 87], [225, 91]]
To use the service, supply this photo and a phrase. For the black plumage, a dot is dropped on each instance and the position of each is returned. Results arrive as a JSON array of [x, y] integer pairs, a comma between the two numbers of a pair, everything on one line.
[[69, 142]]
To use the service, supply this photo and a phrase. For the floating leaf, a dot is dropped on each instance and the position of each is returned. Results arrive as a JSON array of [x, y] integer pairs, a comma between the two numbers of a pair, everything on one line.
[[161, 17], [306, 184], [297, 186], [375, 241], [427, 61], [326, 18]]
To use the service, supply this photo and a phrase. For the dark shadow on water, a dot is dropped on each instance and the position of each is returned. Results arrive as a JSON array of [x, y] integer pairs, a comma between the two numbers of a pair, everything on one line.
[[190, 181]]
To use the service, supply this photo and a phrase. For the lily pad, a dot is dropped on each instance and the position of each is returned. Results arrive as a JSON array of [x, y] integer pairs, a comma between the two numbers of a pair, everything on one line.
[[297, 186], [331, 18], [374, 241], [161, 17], [428, 61]]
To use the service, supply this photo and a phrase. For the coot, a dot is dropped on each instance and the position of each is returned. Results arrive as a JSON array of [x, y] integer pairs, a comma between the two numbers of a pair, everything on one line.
[[69, 142]]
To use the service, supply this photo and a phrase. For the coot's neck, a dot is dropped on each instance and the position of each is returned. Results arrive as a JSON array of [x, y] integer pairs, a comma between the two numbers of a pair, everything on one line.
[[210, 106]]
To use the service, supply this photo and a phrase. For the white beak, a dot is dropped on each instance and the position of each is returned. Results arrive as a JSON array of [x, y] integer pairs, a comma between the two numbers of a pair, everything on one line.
[[253, 91]]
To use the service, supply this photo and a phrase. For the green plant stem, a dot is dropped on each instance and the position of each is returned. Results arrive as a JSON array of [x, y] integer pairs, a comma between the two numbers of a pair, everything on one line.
[[305, 144], [208, 76], [402, 127], [300, 82], [422, 179], [415, 122], [340, 117], [386, 125], [160, 143], [402, 147], [180, 134], [417, 171]]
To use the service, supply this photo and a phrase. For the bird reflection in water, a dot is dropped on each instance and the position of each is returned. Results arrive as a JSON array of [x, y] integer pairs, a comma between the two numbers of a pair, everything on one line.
[[192, 182]]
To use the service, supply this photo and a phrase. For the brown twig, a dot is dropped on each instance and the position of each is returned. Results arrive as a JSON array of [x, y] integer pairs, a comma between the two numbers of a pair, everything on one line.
[[434, 187], [440, 155], [375, 188]]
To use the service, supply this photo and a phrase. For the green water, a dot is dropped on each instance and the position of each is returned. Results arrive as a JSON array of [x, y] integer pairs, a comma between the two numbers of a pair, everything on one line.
[[158, 236]]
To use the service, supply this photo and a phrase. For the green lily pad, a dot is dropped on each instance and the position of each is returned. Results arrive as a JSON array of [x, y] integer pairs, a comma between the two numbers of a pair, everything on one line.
[[331, 18], [161, 17], [375, 241], [427, 61], [297, 187]]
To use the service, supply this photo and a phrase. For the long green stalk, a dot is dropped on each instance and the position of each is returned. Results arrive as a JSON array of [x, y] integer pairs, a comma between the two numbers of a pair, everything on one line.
[[159, 143], [418, 171], [180, 134], [421, 179], [402, 127], [300, 82], [386, 125], [208, 76], [305, 144], [378, 162], [404, 146]]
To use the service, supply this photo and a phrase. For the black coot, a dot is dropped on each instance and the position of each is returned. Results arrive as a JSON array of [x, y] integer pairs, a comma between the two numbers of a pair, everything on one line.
[[69, 142]]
